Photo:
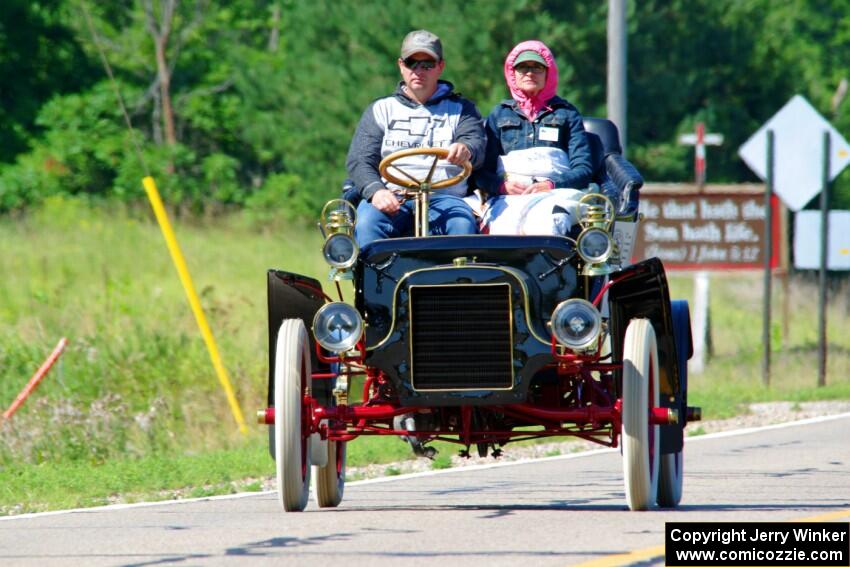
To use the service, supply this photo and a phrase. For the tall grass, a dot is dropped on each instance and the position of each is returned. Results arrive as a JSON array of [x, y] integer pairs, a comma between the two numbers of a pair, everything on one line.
[[136, 377], [733, 375]]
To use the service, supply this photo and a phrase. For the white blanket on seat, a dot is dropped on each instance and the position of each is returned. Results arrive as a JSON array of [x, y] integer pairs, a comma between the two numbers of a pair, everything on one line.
[[540, 162], [552, 212]]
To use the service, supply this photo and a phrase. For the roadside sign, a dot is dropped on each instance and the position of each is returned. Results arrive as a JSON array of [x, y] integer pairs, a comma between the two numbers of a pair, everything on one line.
[[798, 131], [714, 229], [807, 240]]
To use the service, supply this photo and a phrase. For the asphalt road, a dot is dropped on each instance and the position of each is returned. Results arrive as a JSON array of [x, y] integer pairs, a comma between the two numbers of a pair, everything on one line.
[[559, 511]]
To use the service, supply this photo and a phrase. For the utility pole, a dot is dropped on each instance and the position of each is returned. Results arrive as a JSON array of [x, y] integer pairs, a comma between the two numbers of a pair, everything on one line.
[[617, 54]]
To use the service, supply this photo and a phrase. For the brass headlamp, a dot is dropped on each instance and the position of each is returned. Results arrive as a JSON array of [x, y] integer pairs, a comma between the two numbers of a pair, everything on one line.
[[340, 250], [595, 244]]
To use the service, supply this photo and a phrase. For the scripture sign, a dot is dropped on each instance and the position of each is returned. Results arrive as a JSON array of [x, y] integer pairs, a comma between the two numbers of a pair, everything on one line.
[[709, 230]]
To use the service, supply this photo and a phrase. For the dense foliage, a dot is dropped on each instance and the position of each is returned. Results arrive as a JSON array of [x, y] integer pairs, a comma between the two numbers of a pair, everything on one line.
[[253, 102]]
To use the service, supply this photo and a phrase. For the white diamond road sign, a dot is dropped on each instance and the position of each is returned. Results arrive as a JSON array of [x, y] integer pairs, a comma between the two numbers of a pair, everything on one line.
[[798, 152], [807, 227]]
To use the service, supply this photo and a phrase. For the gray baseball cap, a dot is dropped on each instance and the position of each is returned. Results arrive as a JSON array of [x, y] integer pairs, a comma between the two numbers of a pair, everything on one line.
[[422, 41]]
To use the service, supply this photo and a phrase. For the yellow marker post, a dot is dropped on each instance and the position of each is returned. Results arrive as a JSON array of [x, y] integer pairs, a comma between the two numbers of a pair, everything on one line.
[[194, 303]]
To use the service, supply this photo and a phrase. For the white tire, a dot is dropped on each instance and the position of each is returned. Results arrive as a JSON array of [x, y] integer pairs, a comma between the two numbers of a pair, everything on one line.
[[330, 480], [640, 393], [670, 477], [292, 375]]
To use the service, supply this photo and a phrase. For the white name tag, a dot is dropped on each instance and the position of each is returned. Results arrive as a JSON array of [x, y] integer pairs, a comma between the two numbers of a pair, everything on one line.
[[549, 134]]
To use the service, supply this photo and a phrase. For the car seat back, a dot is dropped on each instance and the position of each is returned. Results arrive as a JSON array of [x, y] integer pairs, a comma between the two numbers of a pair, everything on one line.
[[616, 176]]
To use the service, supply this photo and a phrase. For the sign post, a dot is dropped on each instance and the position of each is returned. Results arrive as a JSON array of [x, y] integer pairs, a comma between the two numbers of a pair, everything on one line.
[[798, 125], [768, 238], [701, 323], [699, 139], [824, 241]]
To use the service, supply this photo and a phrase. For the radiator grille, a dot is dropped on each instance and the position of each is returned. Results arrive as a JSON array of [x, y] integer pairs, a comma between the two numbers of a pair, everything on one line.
[[461, 337]]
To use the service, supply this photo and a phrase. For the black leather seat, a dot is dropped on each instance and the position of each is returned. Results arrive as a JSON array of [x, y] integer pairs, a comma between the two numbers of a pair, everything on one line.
[[350, 193], [618, 179]]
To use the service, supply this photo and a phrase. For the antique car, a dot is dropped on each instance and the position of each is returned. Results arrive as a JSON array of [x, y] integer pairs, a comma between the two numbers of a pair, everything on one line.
[[482, 340]]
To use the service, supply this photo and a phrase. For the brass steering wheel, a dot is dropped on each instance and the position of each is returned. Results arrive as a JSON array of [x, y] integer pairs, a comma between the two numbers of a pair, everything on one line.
[[411, 183]]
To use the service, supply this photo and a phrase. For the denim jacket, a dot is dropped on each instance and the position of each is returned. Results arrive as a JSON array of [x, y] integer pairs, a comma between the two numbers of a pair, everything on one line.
[[508, 129]]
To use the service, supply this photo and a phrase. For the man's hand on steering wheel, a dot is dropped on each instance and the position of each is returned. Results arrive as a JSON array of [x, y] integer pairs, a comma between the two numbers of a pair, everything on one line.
[[458, 154], [386, 201]]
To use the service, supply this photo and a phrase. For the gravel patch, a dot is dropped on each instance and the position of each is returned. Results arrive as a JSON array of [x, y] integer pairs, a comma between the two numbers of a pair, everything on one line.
[[768, 413]]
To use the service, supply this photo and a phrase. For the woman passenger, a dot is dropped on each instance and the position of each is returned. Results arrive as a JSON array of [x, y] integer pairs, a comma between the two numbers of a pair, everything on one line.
[[538, 158]]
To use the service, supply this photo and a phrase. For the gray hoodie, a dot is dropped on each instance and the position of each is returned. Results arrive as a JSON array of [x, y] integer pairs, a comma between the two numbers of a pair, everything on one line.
[[397, 122]]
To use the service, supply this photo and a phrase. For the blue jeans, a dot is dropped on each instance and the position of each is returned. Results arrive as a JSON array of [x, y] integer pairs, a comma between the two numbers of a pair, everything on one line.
[[447, 214]]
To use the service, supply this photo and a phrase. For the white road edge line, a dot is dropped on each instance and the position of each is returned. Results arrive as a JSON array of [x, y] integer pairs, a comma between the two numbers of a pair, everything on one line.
[[582, 454]]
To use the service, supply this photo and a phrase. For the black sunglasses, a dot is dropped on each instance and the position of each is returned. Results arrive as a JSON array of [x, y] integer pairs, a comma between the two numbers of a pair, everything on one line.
[[414, 64]]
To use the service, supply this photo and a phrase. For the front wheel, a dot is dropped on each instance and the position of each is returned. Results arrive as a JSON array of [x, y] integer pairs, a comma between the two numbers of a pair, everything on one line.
[[640, 394], [292, 377]]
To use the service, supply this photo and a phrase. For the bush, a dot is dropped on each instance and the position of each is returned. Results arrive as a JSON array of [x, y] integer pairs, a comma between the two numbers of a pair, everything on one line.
[[279, 194]]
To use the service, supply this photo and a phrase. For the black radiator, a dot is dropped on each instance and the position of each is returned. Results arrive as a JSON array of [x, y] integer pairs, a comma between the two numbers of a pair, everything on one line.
[[460, 337]]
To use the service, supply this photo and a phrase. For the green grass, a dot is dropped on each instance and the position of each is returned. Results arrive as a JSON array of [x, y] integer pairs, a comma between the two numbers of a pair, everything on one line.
[[136, 376], [58, 485], [134, 407], [733, 375]]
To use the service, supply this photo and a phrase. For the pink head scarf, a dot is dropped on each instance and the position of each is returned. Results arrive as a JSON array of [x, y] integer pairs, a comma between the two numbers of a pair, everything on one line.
[[532, 105]]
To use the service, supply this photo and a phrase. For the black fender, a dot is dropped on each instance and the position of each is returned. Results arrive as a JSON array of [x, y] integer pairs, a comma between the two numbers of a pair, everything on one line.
[[292, 296], [643, 293]]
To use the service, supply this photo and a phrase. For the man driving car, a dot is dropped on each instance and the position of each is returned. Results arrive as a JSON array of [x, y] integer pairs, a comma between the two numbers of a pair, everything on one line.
[[423, 112]]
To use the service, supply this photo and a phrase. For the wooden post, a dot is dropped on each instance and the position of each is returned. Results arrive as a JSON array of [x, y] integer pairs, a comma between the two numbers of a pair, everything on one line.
[[700, 329], [36, 379]]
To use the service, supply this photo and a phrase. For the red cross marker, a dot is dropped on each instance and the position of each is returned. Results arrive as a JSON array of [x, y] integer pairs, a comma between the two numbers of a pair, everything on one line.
[[699, 141]]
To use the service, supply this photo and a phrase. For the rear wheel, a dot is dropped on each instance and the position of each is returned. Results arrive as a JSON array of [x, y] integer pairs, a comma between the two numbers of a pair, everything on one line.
[[330, 479], [292, 377], [671, 474], [670, 477], [640, 394]]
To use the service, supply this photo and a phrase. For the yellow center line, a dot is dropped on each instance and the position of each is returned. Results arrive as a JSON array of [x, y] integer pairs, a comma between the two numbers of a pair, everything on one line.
[[626, 558], [638, 555], [829, 517]]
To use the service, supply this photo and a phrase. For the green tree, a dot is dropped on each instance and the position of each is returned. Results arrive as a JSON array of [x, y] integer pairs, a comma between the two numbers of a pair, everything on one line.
[[41, 58], [254, 101]]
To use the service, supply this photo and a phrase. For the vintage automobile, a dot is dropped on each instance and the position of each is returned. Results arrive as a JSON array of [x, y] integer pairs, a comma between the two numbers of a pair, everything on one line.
[[482, 340]]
